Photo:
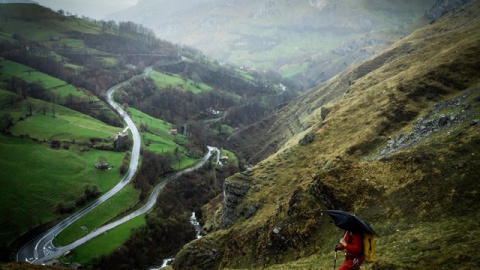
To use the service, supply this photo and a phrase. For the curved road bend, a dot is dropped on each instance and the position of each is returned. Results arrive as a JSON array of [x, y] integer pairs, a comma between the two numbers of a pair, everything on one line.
[[151, 202], [42, 246], [41, 249]]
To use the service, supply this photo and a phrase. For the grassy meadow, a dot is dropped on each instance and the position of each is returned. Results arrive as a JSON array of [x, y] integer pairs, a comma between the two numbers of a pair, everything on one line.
[[58, 122], [106, 243], [29, 165], [156, 137], [122, 201], [11, 69], [163, 80], [58, 87], [48, 176]]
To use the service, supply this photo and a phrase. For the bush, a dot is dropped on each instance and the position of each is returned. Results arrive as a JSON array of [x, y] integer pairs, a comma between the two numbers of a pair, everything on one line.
[[55, 144]]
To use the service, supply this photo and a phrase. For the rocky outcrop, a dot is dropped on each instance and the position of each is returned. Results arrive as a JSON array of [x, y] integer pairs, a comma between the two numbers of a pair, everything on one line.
[[443, 6], [202, 254], [435, 120], [235, 188]]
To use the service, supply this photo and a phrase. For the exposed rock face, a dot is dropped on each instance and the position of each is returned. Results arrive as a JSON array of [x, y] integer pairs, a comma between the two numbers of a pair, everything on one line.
[[202, 254], [235, 188], [443, 6], [434, 121]]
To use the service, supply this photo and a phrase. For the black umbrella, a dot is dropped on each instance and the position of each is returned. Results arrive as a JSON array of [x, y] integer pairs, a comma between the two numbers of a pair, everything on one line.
[[349, 222]]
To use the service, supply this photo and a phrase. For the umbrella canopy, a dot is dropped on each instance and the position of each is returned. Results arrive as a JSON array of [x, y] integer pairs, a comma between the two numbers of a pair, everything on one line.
[[349, 222]]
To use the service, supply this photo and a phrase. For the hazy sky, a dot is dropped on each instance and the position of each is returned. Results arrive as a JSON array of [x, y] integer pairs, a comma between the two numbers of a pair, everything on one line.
[[96, 9]]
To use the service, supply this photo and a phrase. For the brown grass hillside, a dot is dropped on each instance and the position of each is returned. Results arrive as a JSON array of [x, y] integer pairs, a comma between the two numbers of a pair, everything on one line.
[[420, 98]]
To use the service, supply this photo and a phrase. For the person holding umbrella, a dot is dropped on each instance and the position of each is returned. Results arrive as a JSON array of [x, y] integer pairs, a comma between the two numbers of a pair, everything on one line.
[[352, 243], [353, 239]]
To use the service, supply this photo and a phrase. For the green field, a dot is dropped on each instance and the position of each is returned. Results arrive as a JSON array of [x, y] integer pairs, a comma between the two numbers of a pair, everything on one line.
[[61, 88], [106, 243], [232, 158], [67, 125], [10, 69], [102, 214], [48, 176], [163, 80], [158, 138], [28, 164]]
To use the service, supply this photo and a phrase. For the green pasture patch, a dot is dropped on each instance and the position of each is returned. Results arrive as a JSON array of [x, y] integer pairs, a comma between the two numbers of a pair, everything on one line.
[[163, 80], [35, 178], [225, 129], [125, 199], [6, 98], [72, 43], [155, 125], [65, 90], [108, 62], [245, 75], [232, 158], [158, 144], [185, 162], [159, 140], [106, 243], [10, 69], [73, 66], [67, 125], [156, 137]]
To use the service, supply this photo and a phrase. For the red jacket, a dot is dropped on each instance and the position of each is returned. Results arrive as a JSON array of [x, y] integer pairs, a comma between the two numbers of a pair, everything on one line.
[[354, 245]]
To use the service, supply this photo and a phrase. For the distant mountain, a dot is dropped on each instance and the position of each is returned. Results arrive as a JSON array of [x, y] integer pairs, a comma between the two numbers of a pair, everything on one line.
[[443, 6], [324, 36]]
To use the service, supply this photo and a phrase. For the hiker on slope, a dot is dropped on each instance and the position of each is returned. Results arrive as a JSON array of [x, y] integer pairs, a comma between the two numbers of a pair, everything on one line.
[[353, 245]]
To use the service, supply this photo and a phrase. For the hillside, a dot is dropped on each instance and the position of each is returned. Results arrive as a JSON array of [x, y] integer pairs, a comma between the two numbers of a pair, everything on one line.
[[394, 140], [55, 124], [310, 41], [63, 146]]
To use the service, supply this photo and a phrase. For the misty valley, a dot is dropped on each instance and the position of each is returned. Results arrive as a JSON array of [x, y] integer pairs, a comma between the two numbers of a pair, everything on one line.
[[225, 134]]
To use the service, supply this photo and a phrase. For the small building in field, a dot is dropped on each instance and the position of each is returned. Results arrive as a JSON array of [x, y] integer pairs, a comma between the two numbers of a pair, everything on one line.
[[102, 165], [122, 134], [173, 131], [223, 160]]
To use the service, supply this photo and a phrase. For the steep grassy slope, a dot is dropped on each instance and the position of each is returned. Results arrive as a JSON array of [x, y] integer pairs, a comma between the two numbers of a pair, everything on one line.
[[398, 145]]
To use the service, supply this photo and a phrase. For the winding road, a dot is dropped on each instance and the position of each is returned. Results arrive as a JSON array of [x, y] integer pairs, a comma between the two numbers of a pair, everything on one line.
[[41, 249]]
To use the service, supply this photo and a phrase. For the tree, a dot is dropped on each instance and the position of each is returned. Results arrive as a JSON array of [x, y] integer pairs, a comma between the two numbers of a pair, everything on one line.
[[178, 156], [6, 122], [30, 108], [91, 191], [196, 79]]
